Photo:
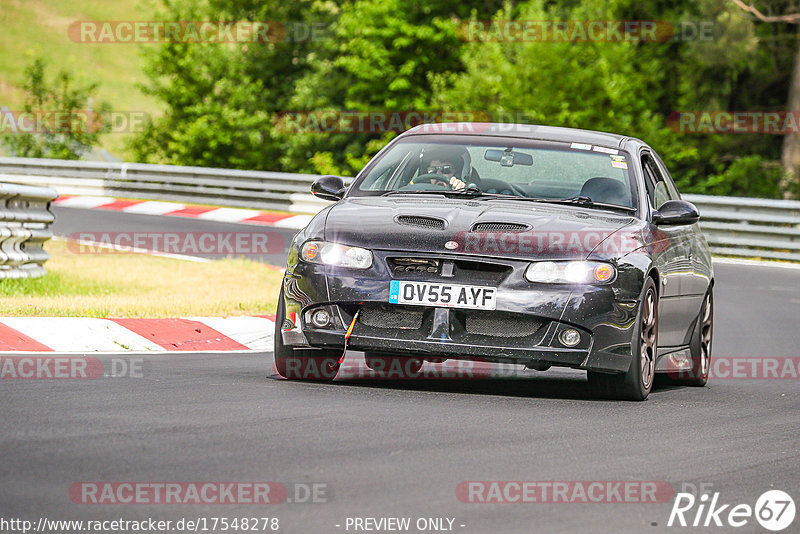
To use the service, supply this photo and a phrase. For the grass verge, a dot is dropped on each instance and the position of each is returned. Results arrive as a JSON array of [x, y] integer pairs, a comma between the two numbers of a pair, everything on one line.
[[138, 285]]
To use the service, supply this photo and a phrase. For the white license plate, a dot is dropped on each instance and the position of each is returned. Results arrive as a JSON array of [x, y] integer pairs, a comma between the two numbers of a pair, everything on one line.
[[447, 295]]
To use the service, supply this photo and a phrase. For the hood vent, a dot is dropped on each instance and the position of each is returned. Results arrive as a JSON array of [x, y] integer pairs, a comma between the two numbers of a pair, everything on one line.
[[499, 227], [424, 222]]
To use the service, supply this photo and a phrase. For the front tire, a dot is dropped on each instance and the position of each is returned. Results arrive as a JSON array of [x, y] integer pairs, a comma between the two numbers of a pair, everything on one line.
[[302, 364], [637, 382]]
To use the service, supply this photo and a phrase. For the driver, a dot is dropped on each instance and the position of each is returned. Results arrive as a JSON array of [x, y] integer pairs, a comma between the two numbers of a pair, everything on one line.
[[446, 162]]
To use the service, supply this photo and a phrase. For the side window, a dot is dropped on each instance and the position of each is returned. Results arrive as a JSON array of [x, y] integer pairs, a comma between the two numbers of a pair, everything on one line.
[[657, 189], [662, 194], [673, 191]]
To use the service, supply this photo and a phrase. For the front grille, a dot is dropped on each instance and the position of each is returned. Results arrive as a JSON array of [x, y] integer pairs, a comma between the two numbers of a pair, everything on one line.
[[499, 227], [414, 265], [391, 317], [481, 266], [498, 324], [425, 222]]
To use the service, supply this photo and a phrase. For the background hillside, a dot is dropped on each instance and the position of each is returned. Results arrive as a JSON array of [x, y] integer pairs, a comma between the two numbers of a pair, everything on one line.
[[38, 28]]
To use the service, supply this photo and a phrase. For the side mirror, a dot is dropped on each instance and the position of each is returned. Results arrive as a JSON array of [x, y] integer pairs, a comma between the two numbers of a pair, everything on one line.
[[675, 212], [328, 188]]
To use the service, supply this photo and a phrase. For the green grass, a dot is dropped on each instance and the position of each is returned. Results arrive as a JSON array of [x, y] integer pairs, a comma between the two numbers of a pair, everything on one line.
[[39, 28], [54, 284], [138, 285]]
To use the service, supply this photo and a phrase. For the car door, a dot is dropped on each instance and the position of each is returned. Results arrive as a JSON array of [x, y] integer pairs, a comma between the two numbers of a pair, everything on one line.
[[696, 285], [674, 263]]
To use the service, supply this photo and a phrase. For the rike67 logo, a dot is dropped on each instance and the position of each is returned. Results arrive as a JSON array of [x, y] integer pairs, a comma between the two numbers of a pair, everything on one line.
[[774, 510]]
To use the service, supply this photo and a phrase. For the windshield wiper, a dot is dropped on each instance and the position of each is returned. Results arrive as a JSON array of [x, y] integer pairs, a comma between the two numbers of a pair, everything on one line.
[[578, 200], [412, 192], [583, 200], [470, 192]]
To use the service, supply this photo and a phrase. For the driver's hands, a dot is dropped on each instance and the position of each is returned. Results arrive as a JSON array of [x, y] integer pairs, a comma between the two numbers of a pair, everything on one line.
[[456, 184]]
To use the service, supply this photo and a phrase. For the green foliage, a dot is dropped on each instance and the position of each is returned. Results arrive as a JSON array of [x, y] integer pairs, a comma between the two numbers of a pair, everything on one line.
[[746, 176], [61, 126], [224, 103], [386, 65], [221, 99]]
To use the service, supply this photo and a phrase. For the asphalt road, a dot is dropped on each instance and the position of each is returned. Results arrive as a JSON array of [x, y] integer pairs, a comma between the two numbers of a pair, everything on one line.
[[401, 448]]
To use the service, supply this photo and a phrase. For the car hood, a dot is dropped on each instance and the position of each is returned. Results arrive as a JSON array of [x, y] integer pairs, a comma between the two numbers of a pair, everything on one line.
[[538, 230]]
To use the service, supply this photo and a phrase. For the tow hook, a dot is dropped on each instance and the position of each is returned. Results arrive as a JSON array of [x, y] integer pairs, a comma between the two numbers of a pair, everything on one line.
[[349, 333]]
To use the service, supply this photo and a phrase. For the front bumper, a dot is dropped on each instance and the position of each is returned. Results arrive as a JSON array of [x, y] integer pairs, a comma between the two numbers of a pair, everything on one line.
[[524, 329]]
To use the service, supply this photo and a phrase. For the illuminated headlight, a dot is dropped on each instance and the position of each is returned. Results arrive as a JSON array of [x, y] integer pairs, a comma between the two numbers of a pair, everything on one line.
[[334, 254], [570, 272]]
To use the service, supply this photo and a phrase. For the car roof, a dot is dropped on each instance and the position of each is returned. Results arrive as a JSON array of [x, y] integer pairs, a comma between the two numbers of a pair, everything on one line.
[[522, 131]]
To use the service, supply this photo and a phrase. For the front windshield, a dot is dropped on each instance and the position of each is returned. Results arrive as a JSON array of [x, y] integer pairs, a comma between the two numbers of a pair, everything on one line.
[[504, 166]]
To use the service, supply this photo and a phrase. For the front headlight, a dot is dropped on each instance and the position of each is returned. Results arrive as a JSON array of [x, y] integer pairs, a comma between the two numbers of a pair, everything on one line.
[[335, 254], [571, 272]]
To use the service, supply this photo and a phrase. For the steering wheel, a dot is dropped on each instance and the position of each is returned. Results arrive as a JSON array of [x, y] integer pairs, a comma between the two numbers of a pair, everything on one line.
[[494, 185], [427, 180]]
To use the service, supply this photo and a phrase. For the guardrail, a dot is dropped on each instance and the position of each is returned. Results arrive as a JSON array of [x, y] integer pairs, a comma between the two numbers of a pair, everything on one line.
[[744, 227], [226, 187], [24, 227], [750, 227]]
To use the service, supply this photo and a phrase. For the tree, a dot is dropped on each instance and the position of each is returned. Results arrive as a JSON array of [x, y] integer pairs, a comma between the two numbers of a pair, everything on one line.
[[226, 104], [631, 87], [56, 120], [220, 98], [790, 155]]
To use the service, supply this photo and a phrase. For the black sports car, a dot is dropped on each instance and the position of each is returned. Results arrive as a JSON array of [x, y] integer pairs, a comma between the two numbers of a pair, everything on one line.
[[532, 245]]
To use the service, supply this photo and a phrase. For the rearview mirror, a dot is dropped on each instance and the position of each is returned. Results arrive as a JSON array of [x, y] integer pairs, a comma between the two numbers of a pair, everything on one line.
[[508, 158], [675, 212], [328, 188]]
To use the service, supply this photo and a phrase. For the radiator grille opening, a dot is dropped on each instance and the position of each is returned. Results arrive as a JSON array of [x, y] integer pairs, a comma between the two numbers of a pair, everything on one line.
[[482, 266], [392, 317], [501, 325]]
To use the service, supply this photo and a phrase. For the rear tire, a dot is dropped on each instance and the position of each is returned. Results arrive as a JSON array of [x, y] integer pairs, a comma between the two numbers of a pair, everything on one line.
[[302, 364], [700, 346], [637, 382]]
